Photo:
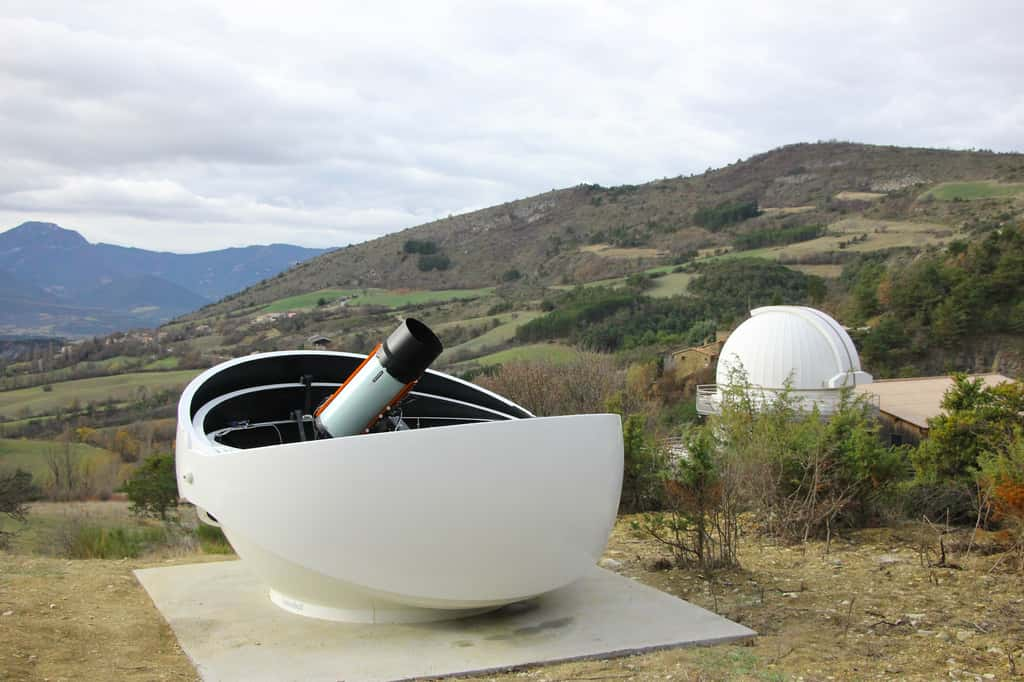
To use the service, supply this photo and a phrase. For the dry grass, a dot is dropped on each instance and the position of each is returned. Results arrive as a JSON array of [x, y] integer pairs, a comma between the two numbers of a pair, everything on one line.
[[871, 608], [860, 196], [880, 235], [609, 251], [786, 210]]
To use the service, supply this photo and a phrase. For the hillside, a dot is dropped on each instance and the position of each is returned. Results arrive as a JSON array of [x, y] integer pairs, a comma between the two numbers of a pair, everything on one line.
[[920, 252], [588, 232], [53, 281]]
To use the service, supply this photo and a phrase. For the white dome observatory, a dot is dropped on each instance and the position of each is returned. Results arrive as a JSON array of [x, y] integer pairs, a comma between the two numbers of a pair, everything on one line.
[[408, 495], [779, 345]]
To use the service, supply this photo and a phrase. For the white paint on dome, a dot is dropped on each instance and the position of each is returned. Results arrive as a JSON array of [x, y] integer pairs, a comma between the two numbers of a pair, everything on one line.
[[795, 343]]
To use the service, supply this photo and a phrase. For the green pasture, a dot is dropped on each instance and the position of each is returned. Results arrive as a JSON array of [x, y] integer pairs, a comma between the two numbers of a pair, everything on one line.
[[31, 456], [120, 387], [552, 352], [163, 364], [672, 284], [119, 363], [307, 300], [381, 297], [965, 191], [498, 335], [399, 299], [614, 282]]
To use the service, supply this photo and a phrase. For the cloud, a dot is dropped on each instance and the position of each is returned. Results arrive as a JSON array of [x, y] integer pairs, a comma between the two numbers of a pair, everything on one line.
[[328, 123]]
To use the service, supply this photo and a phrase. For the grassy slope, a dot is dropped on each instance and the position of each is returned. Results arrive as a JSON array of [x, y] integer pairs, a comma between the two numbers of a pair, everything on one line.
[[552, 352], [120, 387], [30, 455], [501, 334], [400, 299], [672, 284], [985, 189], [309, 300], [383, 297], [881, 235]]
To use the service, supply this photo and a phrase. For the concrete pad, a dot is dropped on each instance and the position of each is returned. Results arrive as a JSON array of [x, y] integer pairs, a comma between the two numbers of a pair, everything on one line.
[[228, 626]]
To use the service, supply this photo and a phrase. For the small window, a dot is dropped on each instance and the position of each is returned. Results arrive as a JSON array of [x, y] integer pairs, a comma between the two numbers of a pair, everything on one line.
[[896, 439]]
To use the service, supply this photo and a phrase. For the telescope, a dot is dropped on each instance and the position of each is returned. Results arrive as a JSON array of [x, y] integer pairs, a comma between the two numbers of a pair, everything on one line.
[[380, 382]]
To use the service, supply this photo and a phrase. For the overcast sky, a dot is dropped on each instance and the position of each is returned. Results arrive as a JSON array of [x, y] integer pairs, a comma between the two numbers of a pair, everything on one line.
[[193, 126]]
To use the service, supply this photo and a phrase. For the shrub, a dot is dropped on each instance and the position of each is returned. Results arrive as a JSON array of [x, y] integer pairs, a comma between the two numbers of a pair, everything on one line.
[[643, 464], [803, 474], [547, 389], [424, 246], [212, 540], [84, 541], [716, 217], [955, 501], [701, 524], [437, 261], [510, 275], [498, 308], [153, 488], [77, 537], [1001, 481], [16, 490], [976, 419], [777, 236], [581, 306]]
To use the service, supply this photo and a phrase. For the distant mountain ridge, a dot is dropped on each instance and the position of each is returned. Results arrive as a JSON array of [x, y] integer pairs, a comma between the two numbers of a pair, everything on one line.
[[54, 281]]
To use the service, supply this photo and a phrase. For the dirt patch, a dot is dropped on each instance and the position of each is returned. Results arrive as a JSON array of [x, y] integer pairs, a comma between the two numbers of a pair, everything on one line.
[[872, 607], [786, 210], [860, 196], [83, 620], [609, 251]]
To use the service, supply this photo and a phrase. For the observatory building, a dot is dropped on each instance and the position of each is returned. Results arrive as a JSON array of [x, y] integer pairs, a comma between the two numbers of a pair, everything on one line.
[[407, 496], [777, 345]]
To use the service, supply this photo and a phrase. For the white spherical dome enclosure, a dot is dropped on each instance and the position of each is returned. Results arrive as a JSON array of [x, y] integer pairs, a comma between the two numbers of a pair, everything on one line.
[[780, 347], [468, 504]]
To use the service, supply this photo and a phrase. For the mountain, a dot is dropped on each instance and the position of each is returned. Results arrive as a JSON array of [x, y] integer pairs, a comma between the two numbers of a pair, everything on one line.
[[54, 281], [589, 232]]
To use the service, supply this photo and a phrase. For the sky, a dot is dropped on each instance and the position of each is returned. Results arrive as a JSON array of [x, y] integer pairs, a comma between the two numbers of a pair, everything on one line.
[[189, 126]]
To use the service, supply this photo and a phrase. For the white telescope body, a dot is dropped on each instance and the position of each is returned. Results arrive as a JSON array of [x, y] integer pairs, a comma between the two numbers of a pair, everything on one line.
[[476, 504], [388, 373]]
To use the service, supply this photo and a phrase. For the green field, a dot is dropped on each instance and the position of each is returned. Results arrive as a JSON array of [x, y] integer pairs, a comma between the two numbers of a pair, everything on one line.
[[493, 337], [399, 299], [672, 284], [112, 365], [31, 455], [120, 387], [552, 352], [614, 282], [162, 364], [383, 297], [307, 300], [965, 191]]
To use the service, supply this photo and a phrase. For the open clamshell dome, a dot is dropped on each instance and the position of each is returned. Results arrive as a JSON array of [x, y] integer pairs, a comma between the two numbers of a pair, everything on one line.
[[797, 346], [464, 503]]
